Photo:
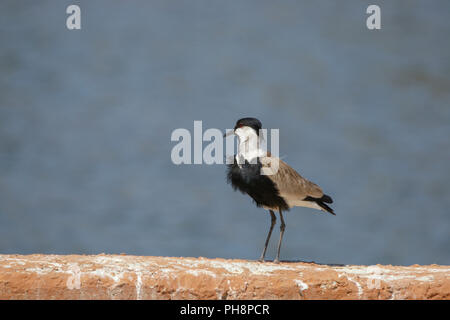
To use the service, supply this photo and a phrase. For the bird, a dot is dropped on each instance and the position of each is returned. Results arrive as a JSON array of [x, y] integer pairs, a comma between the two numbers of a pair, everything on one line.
[[269, 181]]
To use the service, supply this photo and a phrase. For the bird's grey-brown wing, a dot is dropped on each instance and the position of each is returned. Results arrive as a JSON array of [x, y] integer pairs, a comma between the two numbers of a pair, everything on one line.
[[290, 183]]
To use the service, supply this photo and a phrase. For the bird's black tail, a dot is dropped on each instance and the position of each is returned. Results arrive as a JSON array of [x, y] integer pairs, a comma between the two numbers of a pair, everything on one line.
[[322, 202]]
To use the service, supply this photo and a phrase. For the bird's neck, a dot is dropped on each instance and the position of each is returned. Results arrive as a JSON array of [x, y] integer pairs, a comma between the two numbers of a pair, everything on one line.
[[249, 147]]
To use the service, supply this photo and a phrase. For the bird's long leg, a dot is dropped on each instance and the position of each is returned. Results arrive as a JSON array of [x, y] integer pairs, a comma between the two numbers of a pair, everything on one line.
[[273, 220], [282, 227]]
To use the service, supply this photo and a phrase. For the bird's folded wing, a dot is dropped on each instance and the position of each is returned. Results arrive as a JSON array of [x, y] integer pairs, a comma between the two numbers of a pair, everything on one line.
[[288, 182]]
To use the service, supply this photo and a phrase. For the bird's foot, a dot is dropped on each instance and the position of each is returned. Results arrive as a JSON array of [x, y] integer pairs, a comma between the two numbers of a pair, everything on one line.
[[276, 261], [261, 259]]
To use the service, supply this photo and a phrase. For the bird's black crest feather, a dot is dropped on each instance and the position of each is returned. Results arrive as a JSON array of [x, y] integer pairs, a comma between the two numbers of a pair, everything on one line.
[[249, 122]]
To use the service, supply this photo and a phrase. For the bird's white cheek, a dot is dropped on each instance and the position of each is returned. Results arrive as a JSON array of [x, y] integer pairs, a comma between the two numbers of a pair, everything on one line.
[[240, 134], [245, 133]]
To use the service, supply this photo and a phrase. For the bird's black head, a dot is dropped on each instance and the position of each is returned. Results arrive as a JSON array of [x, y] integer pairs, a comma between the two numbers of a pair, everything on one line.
[[253, 123]]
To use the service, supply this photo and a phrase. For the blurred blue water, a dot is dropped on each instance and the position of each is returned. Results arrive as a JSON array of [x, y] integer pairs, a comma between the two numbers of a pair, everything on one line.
[[86, 118]]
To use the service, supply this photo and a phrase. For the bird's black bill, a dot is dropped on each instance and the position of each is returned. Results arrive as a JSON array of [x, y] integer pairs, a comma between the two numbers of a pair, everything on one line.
[[229, 133]]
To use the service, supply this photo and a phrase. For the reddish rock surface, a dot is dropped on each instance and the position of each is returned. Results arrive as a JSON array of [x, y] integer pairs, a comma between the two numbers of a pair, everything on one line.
[[136, 277]]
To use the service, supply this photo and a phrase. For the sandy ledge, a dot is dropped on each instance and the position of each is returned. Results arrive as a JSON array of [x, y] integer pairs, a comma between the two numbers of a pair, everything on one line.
[[137, 277]]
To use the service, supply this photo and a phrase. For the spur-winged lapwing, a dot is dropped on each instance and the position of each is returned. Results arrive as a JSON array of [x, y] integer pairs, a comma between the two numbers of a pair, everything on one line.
[[269, 181]]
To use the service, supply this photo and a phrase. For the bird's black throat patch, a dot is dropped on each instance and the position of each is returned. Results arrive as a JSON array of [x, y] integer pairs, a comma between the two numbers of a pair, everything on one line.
[[260, 188]]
